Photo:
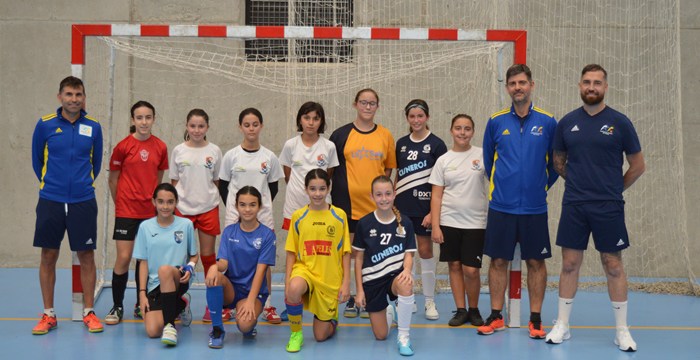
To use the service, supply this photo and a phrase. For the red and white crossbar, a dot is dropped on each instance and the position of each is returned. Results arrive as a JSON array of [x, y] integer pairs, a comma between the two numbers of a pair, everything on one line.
[[81, 31]]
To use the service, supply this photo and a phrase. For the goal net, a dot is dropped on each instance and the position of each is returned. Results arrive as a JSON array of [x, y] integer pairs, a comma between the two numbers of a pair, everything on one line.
[[391, 48]]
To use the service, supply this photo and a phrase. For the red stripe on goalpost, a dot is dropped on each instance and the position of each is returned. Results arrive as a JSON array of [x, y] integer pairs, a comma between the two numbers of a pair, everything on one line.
[[155, 30], [212, 31], [386, 34], [517, 37], [442, 34], [328, 32], [79, 32], [269, 32]]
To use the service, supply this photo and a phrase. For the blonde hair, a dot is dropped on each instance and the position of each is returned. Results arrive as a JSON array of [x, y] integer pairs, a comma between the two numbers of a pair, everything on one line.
[[387, 180]]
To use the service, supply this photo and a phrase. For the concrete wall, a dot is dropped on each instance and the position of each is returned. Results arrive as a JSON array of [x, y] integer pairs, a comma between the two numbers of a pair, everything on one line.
[[35, 53]]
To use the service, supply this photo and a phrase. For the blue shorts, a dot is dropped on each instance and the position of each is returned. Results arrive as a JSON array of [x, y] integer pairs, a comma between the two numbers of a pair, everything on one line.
[[604, 219], [504, 230], [377, 291], [240, 293], [418, 229], [53, 219]]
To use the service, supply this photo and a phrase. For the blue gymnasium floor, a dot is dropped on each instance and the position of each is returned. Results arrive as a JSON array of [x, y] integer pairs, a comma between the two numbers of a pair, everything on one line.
[[664, 326]]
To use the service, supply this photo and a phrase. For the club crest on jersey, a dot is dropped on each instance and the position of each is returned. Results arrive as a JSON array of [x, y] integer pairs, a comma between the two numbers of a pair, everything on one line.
[[330, 230], [373, 232], [536, 130], [209, 162], [607, 130], [321, 161], [179, 236], [257, 243], [476, 165], [426, 149], [264, 167], [403, 149], [400, 231], [144, 155]]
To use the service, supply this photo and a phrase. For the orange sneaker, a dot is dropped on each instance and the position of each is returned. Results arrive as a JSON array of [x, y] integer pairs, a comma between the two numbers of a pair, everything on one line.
[[46, 324], [536, 333], [92, 322], [492, 325]]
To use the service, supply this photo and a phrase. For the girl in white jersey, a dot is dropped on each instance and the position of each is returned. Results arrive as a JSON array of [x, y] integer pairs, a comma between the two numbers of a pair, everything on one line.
[[254, 165], [458, 207], [194, 171]]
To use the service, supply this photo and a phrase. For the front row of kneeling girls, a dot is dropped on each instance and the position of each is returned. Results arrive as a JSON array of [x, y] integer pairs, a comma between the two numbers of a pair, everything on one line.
[[318, 265]]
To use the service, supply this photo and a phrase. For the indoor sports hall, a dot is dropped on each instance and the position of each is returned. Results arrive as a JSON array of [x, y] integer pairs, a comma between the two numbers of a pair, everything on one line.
[[224, 56]]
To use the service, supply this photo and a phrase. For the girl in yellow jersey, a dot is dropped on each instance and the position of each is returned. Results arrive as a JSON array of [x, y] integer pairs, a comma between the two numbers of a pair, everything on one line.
[[318, 262]]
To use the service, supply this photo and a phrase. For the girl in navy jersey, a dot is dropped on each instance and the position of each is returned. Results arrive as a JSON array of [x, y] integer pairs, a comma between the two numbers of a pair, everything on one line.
[[237, 280], [416, 154], [458, 207], [385, 246], [135, 169], [194, 171], [167, 249]]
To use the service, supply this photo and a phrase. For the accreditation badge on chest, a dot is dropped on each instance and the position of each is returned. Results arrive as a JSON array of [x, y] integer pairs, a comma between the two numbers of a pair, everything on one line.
[[85, 130]]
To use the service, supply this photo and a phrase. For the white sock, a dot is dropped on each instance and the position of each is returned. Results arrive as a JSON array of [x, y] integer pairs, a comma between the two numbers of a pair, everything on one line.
[[565, 306], [50, 312], [427, 273], [86, 311], [620, 311], [268, 302], [405, 310]]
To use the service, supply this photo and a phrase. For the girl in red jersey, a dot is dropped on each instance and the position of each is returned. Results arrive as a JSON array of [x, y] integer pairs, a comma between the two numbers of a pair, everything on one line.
[[135, 169]]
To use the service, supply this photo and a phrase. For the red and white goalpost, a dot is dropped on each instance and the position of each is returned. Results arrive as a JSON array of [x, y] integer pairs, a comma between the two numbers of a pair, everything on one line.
[[203, 33]]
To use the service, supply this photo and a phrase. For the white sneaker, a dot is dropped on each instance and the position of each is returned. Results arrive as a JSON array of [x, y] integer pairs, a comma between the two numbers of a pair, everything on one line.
[[559, 333], [169, 336], [431, 312], [624, 340]]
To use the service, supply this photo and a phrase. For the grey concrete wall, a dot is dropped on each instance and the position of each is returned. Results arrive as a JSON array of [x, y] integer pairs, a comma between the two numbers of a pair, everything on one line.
[[690, 94]]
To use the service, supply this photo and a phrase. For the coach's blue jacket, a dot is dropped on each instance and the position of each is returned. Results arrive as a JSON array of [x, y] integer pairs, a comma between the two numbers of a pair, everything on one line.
[[67, 157], [518, 160]]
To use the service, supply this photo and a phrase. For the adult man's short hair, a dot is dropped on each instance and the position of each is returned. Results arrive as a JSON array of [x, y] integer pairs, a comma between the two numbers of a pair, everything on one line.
[[518, 69], [72, 82], [594, 67]]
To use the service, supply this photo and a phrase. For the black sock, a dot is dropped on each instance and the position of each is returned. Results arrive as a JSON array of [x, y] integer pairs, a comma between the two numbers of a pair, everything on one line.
[[119, 287], [473, 310], [169, 307], [496, 314], [536, 319], [138, 282]]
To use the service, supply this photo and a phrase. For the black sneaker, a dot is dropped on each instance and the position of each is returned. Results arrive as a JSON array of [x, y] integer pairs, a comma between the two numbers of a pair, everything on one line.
[[460, 317], [475, 317]]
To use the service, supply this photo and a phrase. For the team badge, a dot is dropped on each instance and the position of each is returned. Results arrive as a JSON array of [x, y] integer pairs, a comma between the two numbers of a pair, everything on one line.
[[321, 161], [400, 231], [179, 236], [330, 230], [607, 130], [209, 162], [426, 149], [403, 149], [476, 165], [85, 130], [264, 167], [373, 232], [536, 130], [144, 155], [257, 243]]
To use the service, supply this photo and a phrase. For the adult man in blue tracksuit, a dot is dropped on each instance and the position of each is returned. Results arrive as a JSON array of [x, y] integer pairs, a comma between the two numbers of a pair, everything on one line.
[[66, 157], [518, 162]]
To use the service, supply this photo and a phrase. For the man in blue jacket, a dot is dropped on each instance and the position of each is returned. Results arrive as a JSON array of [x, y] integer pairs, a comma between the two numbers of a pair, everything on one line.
[[518, 162], [66, 157]]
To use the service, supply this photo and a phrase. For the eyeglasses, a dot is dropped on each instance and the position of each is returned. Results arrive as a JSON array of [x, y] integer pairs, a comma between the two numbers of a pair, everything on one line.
[[365, 103]]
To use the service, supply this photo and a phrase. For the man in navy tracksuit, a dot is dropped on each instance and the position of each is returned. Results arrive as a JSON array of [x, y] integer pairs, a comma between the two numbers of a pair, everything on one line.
[[518, 162], [66, 157]]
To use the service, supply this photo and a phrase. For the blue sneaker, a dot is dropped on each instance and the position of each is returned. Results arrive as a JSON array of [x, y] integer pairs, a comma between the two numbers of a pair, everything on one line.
[[216, 338], [284, 315], [405, 347]]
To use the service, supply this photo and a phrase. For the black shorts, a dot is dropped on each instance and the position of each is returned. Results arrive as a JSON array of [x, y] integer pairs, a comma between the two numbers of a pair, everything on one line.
[[155, 302], [126, 228], [53, 219], [463, 245], [376, 292], [418, 229]]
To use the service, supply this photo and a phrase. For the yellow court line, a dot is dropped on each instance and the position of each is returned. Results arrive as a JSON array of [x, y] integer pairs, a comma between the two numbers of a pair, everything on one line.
[[423, 326]]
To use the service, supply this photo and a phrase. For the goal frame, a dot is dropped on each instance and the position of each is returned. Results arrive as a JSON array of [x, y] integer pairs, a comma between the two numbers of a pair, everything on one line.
[[80, 32]]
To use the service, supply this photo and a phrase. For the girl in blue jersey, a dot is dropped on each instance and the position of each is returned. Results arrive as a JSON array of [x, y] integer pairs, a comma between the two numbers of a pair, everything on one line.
[[167, 249], [238, 280], [385, 246], [416, 154]]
